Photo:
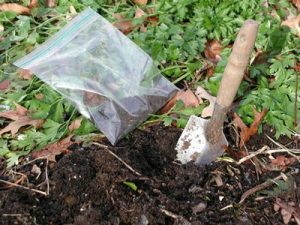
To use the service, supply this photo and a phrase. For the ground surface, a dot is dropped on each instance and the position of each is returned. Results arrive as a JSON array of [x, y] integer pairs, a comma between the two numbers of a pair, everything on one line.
[[87, 187]]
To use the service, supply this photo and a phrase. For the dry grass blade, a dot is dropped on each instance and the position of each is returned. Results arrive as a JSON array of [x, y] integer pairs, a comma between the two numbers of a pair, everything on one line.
[[23, 187], [117, 157], [283, 147], [253, 154], [260, 187]]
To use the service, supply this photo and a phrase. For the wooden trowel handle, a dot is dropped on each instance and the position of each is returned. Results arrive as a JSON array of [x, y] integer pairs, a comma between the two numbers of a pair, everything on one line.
[[237, 63]]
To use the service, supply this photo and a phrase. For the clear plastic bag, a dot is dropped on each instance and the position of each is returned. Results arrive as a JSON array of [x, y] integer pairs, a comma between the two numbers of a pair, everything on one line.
[[110, 79]]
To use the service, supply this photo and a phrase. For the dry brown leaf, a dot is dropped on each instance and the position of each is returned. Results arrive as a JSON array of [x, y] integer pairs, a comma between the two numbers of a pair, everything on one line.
[[138, 14], [201, 93], [22, 111], [288, 210], [210, 71], [50, 3], [52, 150], [140, 2], [19, 115], [33, 4], [14, 126], [118, 16], [297, 4], [25, 74], [282, 162], [213, 50], [93, 99], [188, 98], [153, 20], [14, 114], [4, 85], [75, 124], [125, 26], [293, 22], [13, 7], [247, 132]]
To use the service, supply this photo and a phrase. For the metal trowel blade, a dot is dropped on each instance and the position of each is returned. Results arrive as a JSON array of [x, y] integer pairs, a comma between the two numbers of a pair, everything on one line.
[[193, 145]]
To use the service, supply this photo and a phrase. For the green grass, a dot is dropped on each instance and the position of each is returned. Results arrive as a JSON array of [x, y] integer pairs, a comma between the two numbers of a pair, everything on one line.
[[176, 44]]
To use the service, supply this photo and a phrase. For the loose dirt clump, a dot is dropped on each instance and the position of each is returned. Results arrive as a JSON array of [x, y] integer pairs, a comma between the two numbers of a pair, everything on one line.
[[89, 187]]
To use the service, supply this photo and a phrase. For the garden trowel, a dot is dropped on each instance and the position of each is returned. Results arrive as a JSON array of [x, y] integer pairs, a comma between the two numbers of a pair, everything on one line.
[[202, 141]]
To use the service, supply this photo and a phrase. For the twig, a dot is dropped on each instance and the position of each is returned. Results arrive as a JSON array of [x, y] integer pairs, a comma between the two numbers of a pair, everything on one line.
[[226, 207], [15, 214], [47, 178], [179, 219], [252, 155], [275, 142], [272, 151], [259, 187], [282, 146], [26, 188], [117, 157], [296, 102], [31, 161], [21, 179], [170, 214]]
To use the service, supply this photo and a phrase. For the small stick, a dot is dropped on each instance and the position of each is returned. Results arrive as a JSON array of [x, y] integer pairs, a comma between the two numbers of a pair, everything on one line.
[[259, 187], [26, 188], [15, 214], [272, 151], [282, 146], [23, 176], [117, 157], [46, 177], [31, 161], [226, 207], [179, 219], [260, 151], [170, 214]]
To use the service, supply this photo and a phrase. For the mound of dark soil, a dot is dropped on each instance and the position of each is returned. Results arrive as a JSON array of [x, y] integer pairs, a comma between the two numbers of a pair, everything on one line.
[[88, 187]]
